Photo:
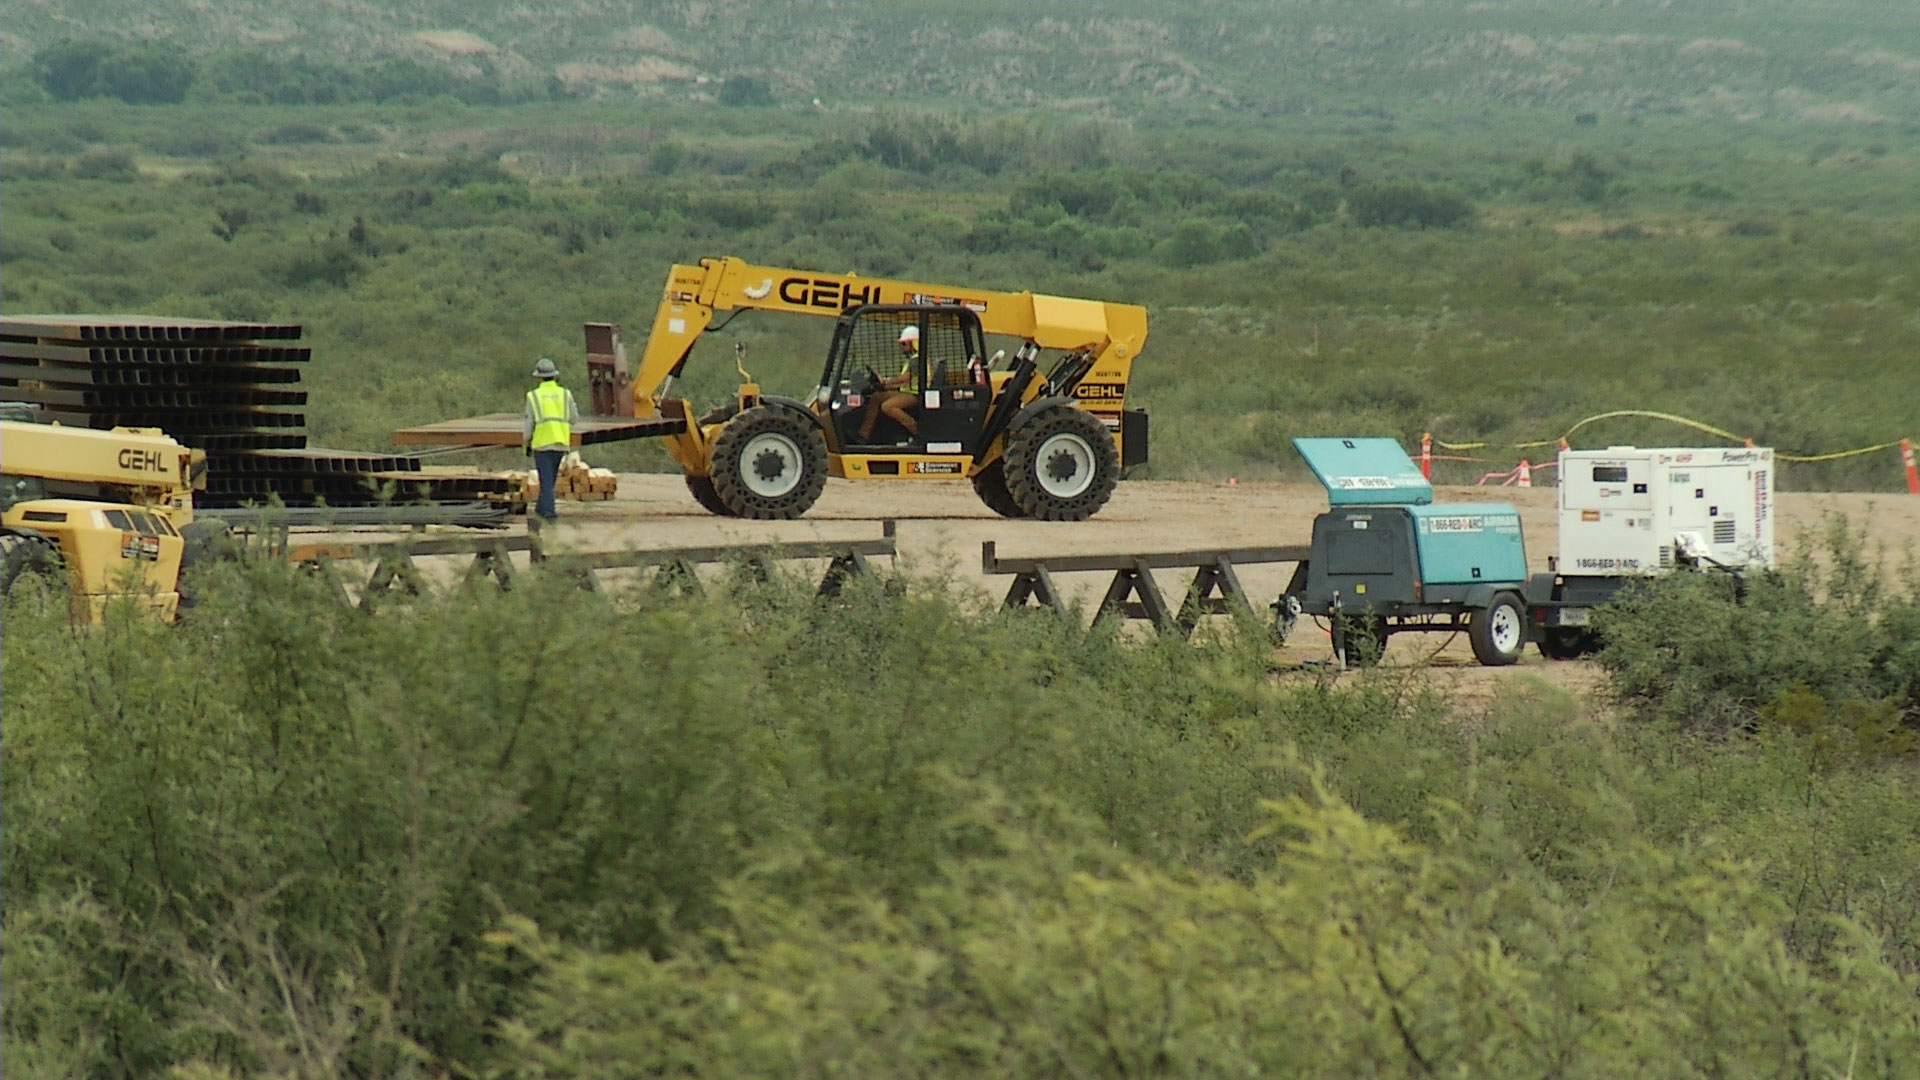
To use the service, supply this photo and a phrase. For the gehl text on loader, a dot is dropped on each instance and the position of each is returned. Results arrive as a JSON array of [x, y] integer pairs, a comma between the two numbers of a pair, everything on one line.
[[1047, 445]]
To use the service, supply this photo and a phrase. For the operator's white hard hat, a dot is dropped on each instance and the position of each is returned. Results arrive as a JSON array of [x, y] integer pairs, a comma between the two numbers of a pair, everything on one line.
[[911, 333]]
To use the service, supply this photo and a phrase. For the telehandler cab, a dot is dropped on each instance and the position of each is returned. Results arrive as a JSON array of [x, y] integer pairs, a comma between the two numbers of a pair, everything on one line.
[[1043, 445], [95, 514]]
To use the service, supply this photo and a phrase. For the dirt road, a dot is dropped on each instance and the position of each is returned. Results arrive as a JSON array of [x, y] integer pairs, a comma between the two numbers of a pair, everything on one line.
[[940, 527]]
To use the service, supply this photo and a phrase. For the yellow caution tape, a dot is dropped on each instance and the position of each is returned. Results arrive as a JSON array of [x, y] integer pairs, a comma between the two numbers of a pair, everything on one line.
[[1838, 454], [1670, 418]]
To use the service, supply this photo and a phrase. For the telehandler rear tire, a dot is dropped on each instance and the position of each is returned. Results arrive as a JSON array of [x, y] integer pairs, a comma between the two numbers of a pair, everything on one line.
[[703, 493], [990, 484], [769, 464], [29, 564], [1061, 465]]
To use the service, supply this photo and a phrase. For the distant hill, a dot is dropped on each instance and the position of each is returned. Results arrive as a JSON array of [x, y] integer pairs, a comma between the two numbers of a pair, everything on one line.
[[1823, 62]]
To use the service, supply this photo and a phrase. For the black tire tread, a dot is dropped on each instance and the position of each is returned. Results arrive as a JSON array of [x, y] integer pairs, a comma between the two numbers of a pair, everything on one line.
[[733, 438], [1560, 643], [703, 493], [1480, 633], [1366, 638], [990, 484], [1018, 465], [21, 554]]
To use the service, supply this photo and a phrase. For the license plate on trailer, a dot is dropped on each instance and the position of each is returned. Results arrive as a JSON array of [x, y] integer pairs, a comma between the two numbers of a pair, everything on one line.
[[1575, 616]]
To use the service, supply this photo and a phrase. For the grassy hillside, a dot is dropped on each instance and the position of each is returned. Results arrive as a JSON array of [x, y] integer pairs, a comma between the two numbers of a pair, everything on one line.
[[1753, 277], [1486, 220], [1834, 61]]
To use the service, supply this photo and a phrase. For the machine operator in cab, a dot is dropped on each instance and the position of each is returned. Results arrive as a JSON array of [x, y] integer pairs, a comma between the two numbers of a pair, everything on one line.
[[901, 391], [547, 432]]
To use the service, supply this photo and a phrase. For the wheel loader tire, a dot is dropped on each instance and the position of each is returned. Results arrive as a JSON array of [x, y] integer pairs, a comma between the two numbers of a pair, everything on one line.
[[769, 464], [990, 484], [1061, 465], [1499, 633], [703, 493], [28, 561]]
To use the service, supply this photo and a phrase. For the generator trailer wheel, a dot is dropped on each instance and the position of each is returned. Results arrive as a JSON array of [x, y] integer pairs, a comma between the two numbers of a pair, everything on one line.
[[990, 484], [1061, 465], [1499, 633], [1566, 643], [769, 464]]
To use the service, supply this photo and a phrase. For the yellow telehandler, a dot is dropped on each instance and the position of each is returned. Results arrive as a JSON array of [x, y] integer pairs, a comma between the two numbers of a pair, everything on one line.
[[1043, 445], [95, 514]]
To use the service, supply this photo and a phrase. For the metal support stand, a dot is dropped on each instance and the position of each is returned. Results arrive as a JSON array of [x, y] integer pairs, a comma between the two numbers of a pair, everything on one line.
[[1133, 593], [1137, 580]]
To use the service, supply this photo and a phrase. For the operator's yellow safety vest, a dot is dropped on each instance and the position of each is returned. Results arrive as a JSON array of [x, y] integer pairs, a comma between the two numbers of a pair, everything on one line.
[[909, 367], [550, 426]]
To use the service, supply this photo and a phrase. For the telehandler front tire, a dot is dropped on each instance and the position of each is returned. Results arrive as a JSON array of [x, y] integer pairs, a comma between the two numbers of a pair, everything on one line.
[[1061, 465], [769, 464]]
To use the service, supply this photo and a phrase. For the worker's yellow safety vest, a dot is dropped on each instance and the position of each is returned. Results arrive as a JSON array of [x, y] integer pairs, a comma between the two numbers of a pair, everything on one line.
[[550, 426], [909, 368]]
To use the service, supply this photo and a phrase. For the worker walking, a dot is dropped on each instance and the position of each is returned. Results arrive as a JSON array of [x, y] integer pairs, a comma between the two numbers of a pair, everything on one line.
[[901, 391], [547, 432]]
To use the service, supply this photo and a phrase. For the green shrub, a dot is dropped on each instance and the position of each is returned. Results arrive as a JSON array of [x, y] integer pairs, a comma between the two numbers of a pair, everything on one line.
[[745, 90], [1703, 651], [275, 839], [1407, 206], [115, 165]]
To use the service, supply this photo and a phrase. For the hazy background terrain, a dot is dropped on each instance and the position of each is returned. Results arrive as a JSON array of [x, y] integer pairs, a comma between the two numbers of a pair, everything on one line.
[[901, 832], [1487, 220]]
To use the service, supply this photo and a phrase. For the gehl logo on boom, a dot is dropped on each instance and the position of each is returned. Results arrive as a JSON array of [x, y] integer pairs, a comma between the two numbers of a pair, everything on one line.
[[140, 460], [829, 293]]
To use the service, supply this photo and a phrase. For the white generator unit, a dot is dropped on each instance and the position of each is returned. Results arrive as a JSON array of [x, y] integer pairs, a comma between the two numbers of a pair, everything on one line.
[[1627, 511]]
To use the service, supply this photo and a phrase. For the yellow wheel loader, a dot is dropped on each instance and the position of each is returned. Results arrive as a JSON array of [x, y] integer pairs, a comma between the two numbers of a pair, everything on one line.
[[89, 515], [1046, 445]]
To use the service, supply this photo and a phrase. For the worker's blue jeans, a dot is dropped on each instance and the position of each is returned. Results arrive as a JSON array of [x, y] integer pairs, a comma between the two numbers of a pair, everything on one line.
[[547, 464]]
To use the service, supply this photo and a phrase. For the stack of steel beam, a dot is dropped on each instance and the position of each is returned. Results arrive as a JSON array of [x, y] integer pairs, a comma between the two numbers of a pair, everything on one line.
[[222, 386], [229, 388]]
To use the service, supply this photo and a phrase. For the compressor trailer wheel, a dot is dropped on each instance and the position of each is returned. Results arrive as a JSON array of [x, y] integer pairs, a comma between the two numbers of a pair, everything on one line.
[[1498, 633]]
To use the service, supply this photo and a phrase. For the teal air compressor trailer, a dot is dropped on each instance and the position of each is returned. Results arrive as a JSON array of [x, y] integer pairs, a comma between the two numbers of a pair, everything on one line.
[[1385, 559]]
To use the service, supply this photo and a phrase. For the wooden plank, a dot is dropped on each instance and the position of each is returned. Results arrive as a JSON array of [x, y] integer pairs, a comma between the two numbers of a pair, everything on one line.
[[504, 429]]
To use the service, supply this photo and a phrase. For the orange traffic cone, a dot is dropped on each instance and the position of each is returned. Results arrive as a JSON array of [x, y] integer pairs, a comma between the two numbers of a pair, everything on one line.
[[1913, 474], [1426, 455], [1525, 478]]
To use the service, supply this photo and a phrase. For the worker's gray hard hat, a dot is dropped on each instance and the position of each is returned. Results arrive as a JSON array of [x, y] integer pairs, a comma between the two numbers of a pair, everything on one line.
[[546, 369]]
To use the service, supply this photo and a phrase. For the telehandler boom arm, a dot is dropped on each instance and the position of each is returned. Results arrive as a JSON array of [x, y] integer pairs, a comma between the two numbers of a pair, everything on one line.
[[1112, 333]]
